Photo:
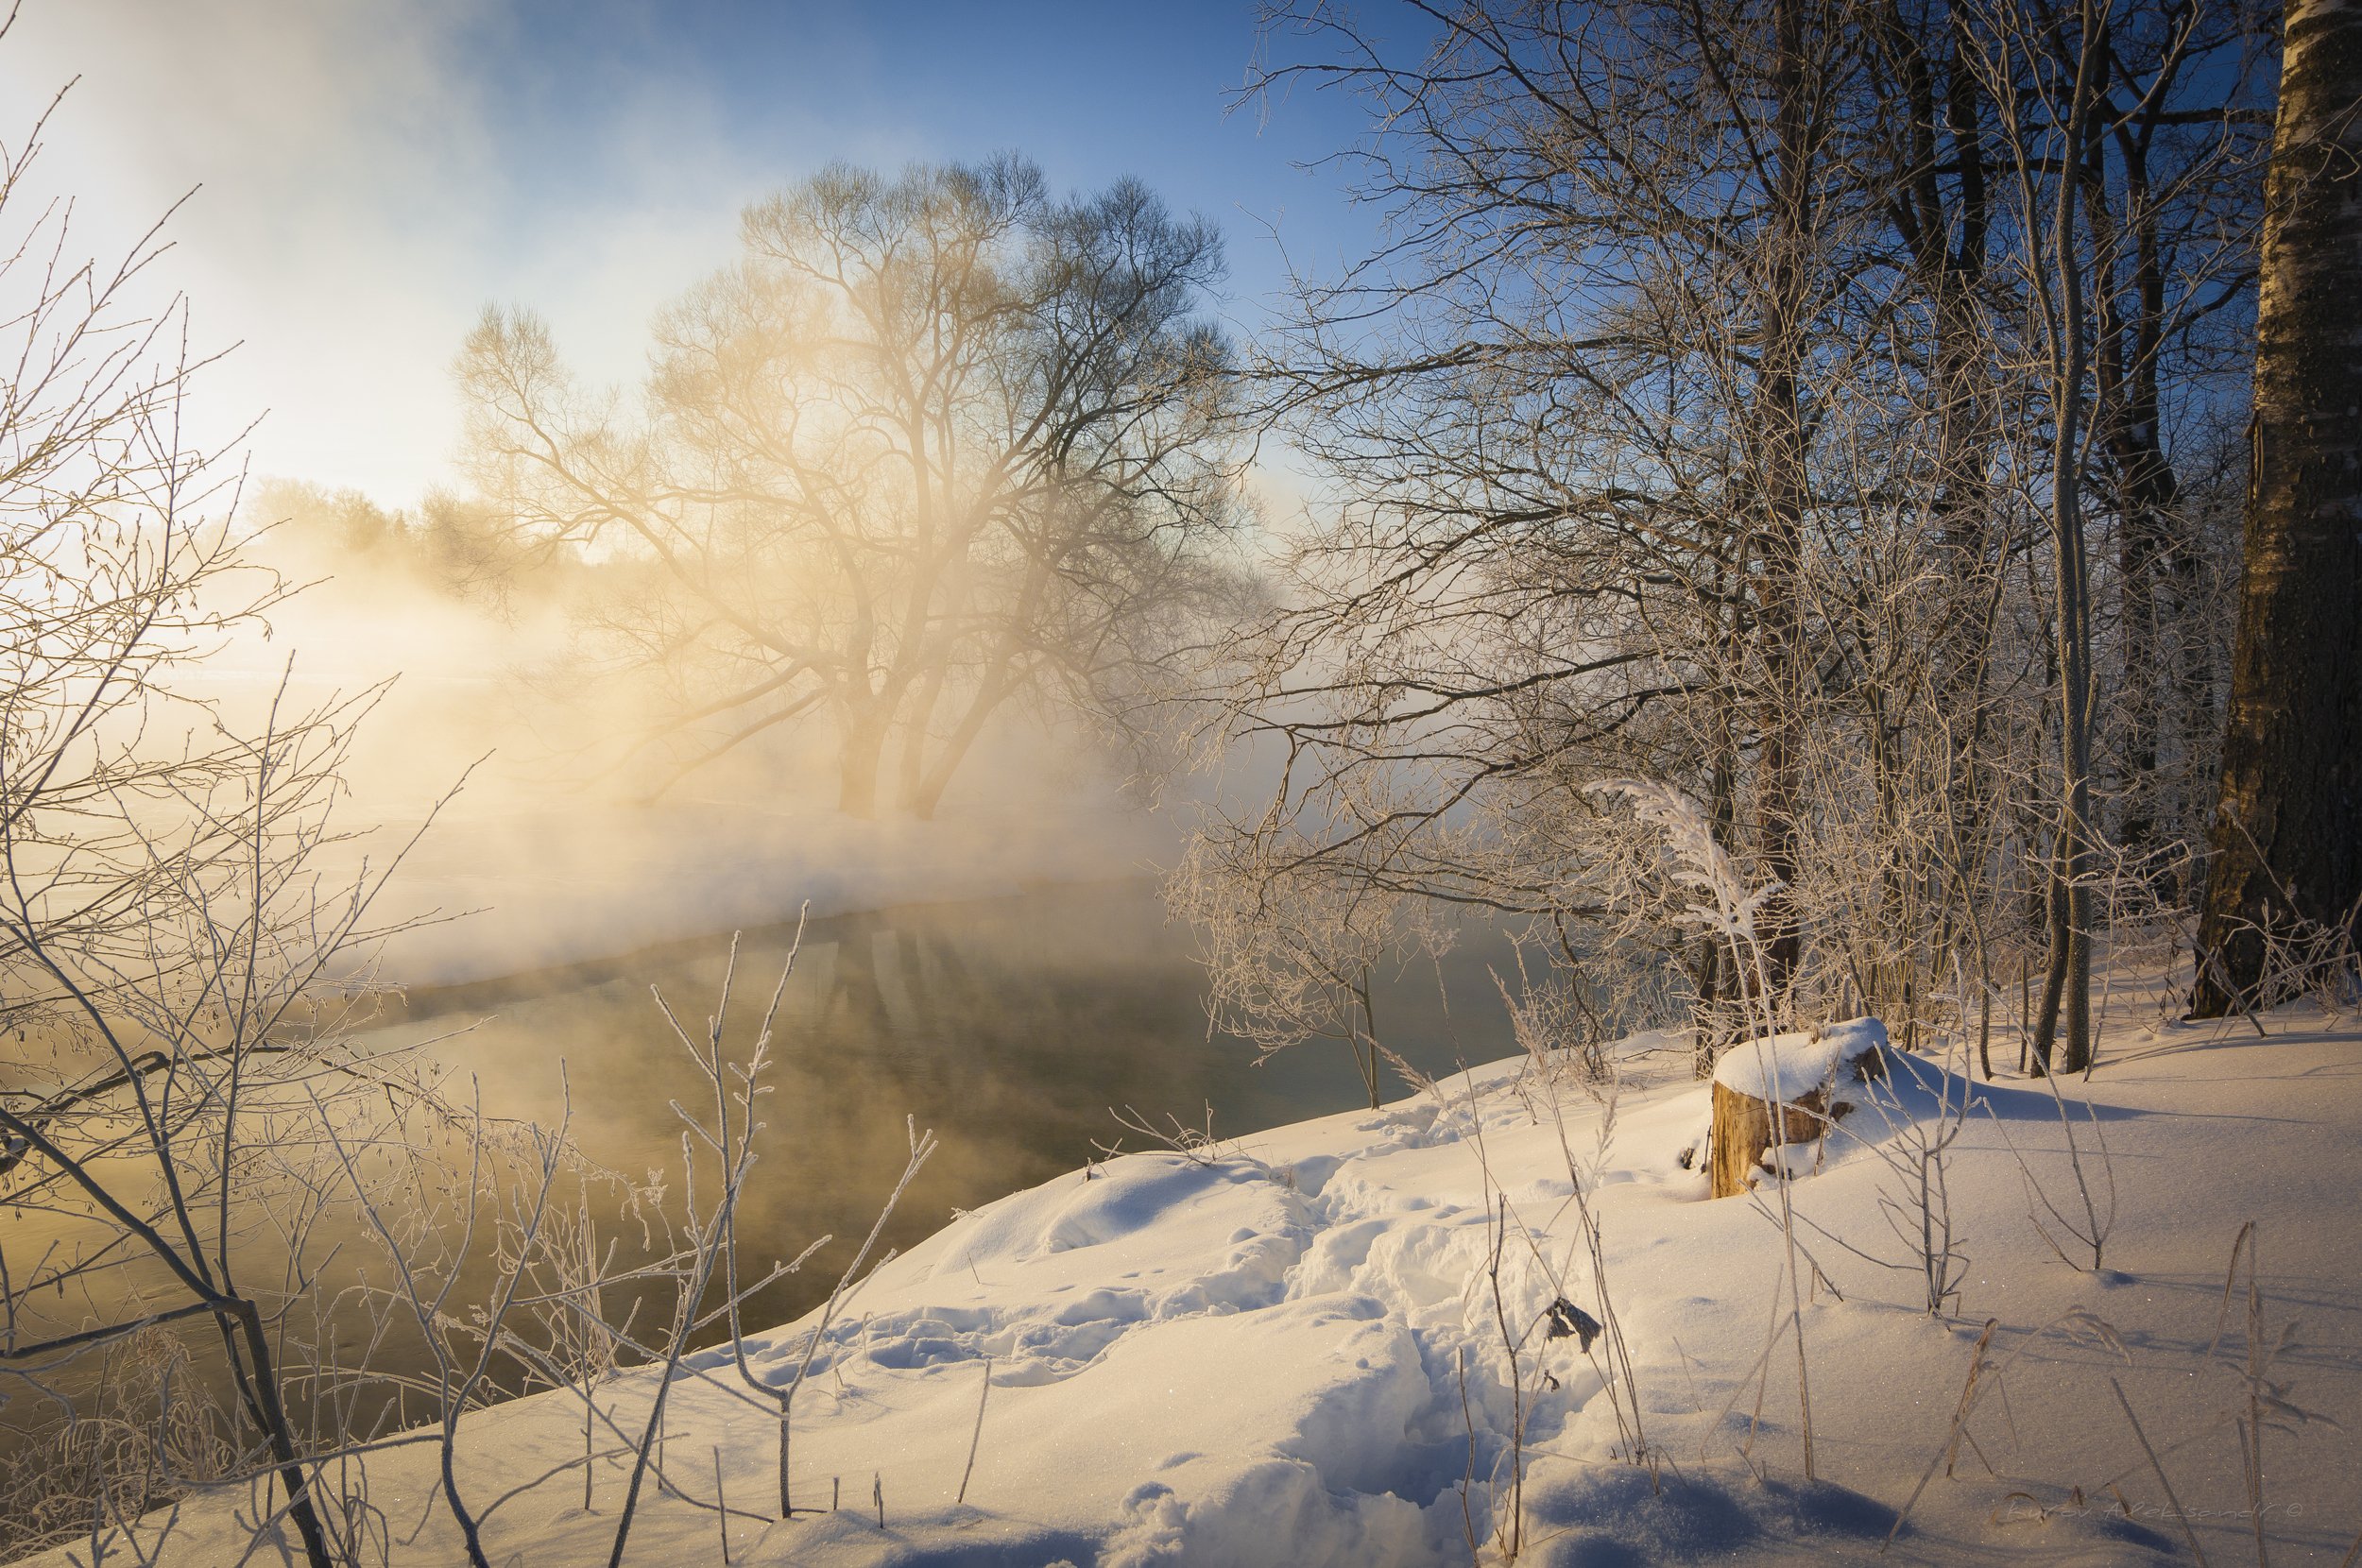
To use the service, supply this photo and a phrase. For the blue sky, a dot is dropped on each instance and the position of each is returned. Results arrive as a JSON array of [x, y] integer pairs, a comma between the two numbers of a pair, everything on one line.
[[374, 171]]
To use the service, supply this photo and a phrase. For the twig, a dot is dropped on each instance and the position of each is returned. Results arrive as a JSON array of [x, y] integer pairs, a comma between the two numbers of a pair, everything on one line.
[[2159, 1471], [721, 1508], [976, 1433]]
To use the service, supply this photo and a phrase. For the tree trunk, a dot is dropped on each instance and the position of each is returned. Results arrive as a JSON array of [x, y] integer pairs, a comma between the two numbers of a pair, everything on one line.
[[1780, 419], [925, 797], [2071, 897], [2287, 835], [912, 764], [861, 755], [2129, 312]]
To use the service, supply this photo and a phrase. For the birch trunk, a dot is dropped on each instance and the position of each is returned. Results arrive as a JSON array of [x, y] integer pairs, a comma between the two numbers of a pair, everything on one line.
[[2287, 836]]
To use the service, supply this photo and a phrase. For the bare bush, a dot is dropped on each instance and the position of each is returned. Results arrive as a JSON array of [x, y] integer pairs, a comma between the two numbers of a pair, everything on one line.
[[1552, 1028], [1293, 950], [175, 963], [2089, 1218], [1918, 1126]]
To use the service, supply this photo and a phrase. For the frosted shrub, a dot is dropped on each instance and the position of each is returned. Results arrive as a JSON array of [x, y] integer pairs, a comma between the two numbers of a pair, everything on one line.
[[1697, 862]]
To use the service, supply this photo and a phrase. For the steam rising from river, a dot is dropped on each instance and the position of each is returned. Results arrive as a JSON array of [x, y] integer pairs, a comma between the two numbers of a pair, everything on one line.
[[559, 852]]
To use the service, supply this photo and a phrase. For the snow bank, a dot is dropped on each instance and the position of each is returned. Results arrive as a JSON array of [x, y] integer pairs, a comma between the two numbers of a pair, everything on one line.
[[1295, 1353]]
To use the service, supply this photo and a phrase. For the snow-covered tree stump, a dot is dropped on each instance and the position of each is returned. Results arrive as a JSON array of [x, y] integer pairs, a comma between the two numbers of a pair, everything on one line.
[[1774, 1100]]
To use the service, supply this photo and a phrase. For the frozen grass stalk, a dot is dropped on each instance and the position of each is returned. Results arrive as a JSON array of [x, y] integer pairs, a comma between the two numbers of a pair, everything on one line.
[[1699, 863]]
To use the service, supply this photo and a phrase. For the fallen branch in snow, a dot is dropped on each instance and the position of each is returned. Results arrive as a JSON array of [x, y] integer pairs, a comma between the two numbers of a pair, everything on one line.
[[1196, 1145]]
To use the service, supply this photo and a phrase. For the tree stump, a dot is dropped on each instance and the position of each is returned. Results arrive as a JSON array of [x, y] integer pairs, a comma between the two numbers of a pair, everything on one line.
[[1797, 1105]]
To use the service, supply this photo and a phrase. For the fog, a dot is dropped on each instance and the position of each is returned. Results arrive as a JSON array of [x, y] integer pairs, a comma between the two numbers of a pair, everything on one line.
[[360, 180], [495, 716]]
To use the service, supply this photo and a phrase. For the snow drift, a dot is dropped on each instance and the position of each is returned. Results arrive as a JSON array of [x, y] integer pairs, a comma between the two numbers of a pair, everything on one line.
[[1297, 1348]]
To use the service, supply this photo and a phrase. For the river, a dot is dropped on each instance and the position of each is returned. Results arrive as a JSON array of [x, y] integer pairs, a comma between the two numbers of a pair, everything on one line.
[[1012, 1027]]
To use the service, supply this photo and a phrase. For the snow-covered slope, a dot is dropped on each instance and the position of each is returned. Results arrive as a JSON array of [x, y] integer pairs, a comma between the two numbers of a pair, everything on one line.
[[1296, 1351]]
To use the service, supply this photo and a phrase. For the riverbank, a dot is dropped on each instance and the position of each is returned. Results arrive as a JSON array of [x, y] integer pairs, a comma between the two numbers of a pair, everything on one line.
[[1290, 1347]]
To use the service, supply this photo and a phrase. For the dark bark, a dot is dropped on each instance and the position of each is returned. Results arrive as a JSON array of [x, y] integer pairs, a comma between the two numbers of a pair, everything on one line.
[[2068, 988], [1781, 434], [2129, 331], [263, 1388], [2287, 835]]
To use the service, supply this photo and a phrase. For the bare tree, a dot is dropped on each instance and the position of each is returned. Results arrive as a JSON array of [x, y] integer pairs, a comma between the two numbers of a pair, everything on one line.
[[2122, 131], [1626, 464], [161, 934], [1740, 397], [1293, 949], [2047, 101], [937, 444]]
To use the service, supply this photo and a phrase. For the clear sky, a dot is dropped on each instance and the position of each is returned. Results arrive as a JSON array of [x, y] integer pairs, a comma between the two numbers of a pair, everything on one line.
[[371, 173]]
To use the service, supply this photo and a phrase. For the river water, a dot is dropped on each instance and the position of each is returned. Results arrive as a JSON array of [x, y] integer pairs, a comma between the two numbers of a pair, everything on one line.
[[1011, 1027]]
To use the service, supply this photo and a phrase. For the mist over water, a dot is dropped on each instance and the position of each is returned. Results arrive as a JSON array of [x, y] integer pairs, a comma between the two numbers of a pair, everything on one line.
[[1009, 1025], [543, 892], [517, 776]]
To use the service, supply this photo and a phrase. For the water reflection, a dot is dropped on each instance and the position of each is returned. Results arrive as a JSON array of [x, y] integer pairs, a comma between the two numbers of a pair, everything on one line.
[[1010, 1026]]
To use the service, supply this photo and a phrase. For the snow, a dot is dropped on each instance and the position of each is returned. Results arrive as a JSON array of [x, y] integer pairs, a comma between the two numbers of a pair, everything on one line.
[[1291, 1351], [1787, 1067]]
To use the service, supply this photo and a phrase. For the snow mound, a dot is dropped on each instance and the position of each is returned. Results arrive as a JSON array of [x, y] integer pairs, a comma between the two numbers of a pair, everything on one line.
[[1787, 1067], [1594, 1518]]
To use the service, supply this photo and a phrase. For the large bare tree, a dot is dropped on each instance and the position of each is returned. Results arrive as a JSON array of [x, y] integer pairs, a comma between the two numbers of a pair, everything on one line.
[[936, 443]]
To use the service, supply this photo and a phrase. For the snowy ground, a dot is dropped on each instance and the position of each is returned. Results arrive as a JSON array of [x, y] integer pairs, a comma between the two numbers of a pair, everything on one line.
[[1293, 1353]]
